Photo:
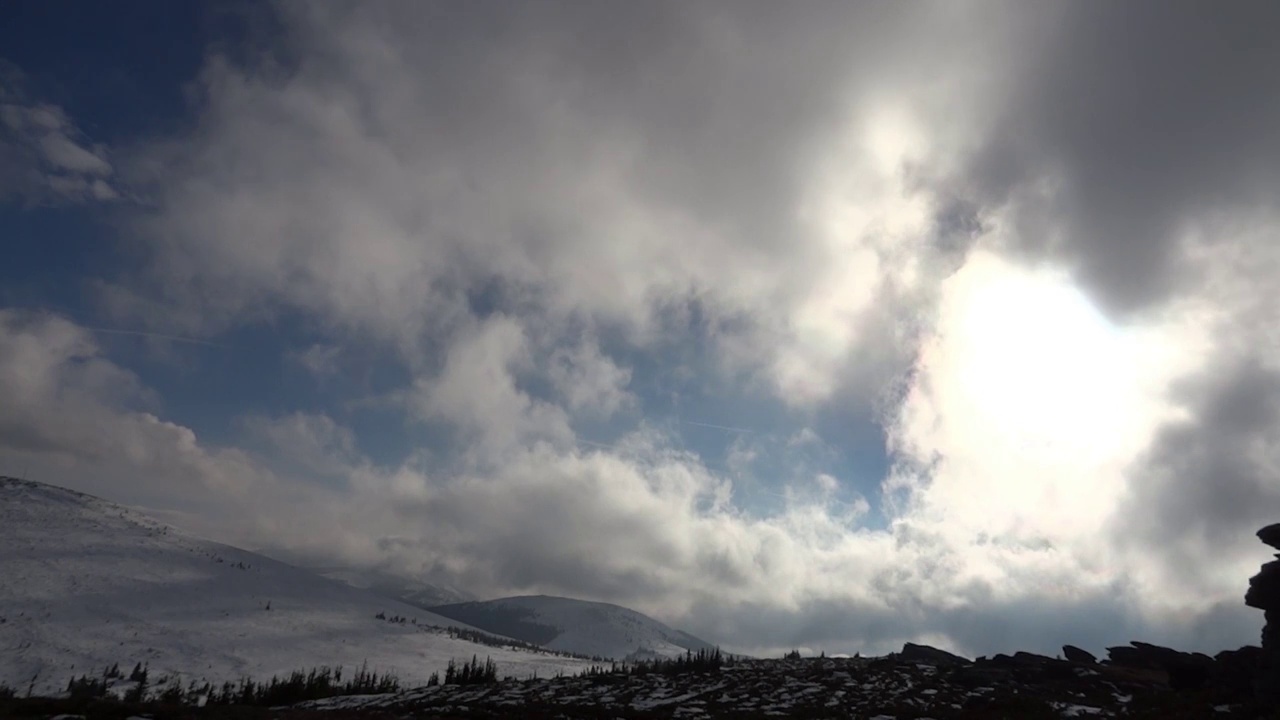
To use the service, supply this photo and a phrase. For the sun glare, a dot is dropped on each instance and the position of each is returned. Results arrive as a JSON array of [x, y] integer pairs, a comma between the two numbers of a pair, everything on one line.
[[1043, 362], [1035, 401]]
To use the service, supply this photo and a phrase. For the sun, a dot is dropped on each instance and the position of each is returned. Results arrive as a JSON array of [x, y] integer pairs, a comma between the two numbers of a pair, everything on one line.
[[1033, 400], [1039, 361]]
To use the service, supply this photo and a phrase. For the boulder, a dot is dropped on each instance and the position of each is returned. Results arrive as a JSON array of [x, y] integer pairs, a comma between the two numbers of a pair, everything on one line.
[[1001, 660], [1077, 655], [1129, 656], [1145, 655], [1264, 588], [1270, 535], [1185, 671], [1027, 658], [977, 676], [926, 655], [1264, 594], [1029, 667], [1235, 670], [1190, 671]]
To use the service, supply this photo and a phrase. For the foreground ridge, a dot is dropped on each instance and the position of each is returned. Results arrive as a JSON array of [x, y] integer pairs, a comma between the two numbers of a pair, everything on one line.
[[898, 686]]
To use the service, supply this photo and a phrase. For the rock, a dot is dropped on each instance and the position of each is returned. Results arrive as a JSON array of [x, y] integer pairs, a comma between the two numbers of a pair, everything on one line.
[[926, 655], [1185, 671], [1264, 594], [1000, 660], [1235, 660], [1028, 667], [1235, 670], [1264, 588], [1190, 671], [1152, 657], [1077, 655], [1128, 656], [974, 676], [1026, 658], [1270, 535]]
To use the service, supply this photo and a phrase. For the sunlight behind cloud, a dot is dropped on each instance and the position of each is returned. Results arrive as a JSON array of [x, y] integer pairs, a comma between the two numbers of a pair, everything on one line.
[[1031, 407], [871, 226]]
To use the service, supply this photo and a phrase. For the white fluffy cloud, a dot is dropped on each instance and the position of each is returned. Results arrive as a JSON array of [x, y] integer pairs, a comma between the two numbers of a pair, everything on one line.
[[45, 157]]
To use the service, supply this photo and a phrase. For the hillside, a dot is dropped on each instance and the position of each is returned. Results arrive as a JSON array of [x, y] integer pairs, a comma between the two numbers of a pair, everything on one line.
[[87, 583], [418, 593], [565, 624]]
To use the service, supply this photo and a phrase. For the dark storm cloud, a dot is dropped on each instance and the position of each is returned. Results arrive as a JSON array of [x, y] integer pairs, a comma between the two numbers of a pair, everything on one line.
[[1147, 114], [1208, 483], [1044, 626]]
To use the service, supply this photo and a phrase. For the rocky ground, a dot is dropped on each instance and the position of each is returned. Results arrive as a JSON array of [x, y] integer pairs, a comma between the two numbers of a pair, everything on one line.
[[918, 683], [1136, 681]]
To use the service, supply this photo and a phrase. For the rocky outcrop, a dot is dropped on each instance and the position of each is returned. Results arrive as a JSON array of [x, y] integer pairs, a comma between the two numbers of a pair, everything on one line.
[[1078, 655], [1184, 670], [1236, 669], [1270, 535], [1264, 594], [926, 655]]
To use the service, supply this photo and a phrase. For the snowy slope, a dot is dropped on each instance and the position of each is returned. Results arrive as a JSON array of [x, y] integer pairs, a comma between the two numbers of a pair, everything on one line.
[[85, 583], [418, 593], [590, 628]]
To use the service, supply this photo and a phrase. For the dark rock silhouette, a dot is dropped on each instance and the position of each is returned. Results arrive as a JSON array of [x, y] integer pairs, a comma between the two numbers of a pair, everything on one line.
[[1237, 668], [1078, 655], [1183, 670], [983, 674], [1264, 594], [1270, 535], [926, 655]]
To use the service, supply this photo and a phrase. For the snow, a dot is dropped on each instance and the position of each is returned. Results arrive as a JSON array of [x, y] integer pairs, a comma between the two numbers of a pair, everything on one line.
[[589, 628], [1071, 710], [88, 584], [418, 593]]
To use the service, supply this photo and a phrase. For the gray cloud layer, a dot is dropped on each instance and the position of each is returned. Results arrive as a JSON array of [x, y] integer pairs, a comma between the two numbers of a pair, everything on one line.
[[1145, 118]]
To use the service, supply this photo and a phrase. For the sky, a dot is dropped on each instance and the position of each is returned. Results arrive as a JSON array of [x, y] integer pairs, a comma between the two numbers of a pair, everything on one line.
[[827, 325]]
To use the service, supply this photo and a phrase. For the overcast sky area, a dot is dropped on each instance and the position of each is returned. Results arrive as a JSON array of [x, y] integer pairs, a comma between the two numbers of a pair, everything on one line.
[[826, 324]]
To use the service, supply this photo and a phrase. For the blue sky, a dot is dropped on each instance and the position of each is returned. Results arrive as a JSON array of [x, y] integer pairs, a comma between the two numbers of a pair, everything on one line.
[[105, 72], [912, 314]]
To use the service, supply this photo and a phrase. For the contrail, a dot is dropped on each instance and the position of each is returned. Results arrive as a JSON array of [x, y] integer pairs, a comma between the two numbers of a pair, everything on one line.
[[718, 427], [160, 336]]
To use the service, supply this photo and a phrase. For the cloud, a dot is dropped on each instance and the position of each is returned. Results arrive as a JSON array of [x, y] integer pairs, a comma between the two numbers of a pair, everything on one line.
[[478, 393], [1039, 251], [73, 417], [45, 157], [342, 188], [313, 444], [1139, 133], [642, 523], [590, 381], [322, 361]]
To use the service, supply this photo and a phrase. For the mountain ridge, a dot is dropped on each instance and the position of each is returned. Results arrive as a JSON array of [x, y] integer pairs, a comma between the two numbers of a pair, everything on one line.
[[581, 626], [89, 583]]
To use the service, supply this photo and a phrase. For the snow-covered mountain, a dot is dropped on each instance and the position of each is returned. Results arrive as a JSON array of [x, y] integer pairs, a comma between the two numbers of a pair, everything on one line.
[[579, 626], [85, 583], [419, 593]]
